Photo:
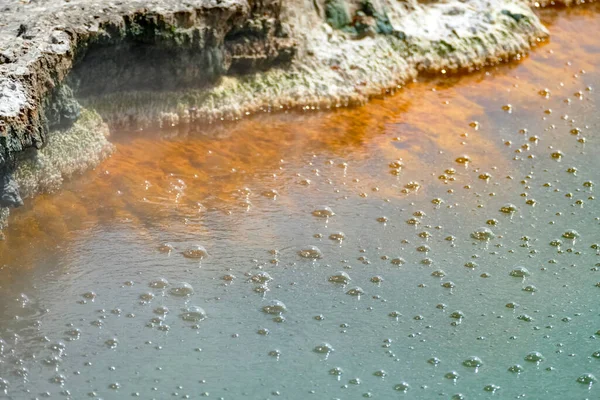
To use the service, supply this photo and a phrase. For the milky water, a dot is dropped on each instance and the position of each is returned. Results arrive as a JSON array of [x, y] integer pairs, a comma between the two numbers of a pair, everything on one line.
[[439, 243]]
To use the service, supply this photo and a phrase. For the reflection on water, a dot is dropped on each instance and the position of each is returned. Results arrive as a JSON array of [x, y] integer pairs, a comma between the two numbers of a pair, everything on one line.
[[441, 242]]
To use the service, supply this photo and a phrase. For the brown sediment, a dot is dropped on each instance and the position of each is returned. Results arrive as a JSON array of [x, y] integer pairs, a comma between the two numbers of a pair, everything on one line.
[[138, 184]]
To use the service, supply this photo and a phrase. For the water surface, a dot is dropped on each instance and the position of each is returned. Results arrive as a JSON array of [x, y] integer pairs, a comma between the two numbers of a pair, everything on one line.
[[453, 235]]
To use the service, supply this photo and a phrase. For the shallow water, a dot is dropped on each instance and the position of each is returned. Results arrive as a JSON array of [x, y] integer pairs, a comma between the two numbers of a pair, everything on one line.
[[405, 197]]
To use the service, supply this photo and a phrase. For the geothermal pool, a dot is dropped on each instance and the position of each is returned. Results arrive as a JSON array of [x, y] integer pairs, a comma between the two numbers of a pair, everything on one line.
[[443, 242]]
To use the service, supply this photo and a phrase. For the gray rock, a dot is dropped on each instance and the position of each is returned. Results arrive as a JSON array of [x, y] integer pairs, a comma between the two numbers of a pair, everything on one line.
[[9, 192]]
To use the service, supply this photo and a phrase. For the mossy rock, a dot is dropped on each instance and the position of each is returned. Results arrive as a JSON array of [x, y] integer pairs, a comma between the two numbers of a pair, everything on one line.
[[337, 14]]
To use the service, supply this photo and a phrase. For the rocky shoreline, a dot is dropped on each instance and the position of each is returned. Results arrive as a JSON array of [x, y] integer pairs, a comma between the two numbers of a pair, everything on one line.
[[72, 70]]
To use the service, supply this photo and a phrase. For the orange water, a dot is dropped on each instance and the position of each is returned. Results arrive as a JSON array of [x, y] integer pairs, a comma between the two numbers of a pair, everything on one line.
[[217, 161]]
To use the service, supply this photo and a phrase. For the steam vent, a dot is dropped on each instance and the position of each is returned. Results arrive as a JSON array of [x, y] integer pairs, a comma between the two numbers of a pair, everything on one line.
[[299, 199]]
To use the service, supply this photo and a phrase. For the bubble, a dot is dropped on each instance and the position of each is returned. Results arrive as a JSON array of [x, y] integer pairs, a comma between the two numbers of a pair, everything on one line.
[[452, 375], [182, 289], [112, 343], [402, 387], [570, 234], [587, 379], [89, 295], [275, 353], [196, 252], [396, 164], [434, 361], [424, 235], [337, 371], [413, 221], [530, 288], [415, 186], [483, 234], [324, 348], [545, 93], [491, 388], [520, 272], [534, 357], [339, 236], [457, 315], [312, 252], [193, 314], [160, 283], [58, 347], [464, 159], [59, 379], [596, 354], [115, 386], [323, 212], [228, 277], [473, 362], [262, 288], [161, 310], [525, 317], [355, 291], [398, 261], [515, 369], [74, 333], [146, 297], [340, 277], [556, 243], [261, 277], [508, 209], [380, 373], [275, 307], [271, 194], [166, 248], [355, 381]]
